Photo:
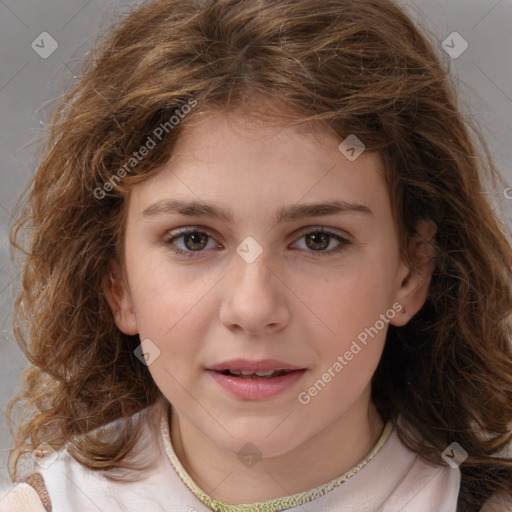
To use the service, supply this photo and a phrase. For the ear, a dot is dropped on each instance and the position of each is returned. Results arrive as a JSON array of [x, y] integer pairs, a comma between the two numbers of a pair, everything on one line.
[[119, 299], [415, 280]]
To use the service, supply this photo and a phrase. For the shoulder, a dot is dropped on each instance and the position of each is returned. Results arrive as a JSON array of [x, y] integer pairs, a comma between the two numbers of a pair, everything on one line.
[[497, 504], [22, 497]]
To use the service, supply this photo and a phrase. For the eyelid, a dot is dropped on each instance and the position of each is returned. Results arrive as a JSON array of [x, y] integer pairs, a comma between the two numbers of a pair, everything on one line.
[[175, 233], [336, 231], [344, 240]]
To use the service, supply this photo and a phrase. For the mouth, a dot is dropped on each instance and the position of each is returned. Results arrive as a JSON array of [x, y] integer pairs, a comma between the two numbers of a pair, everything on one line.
[[260, 368], [270, 374], [258, 384]]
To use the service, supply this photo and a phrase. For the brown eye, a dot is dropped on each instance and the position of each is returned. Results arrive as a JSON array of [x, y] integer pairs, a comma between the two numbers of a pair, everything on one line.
[[319, 240], [195, 240], [188, 241]]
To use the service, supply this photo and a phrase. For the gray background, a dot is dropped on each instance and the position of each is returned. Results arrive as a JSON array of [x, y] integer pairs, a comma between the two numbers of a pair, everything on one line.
[[29, 84]]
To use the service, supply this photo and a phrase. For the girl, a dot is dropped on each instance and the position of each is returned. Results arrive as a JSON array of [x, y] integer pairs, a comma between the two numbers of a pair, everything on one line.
[[262, 274]]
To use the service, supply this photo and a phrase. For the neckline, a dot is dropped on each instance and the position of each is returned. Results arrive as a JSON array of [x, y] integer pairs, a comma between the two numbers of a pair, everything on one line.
[[273, 505]]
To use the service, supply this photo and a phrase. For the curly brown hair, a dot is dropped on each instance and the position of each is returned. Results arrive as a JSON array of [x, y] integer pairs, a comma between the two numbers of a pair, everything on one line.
[[359, 67]]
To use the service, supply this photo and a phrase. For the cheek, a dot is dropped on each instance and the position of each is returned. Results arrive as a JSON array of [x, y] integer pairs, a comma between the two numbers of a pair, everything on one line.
[[355, 307], [353, 299], [175, 328], [163, 291], [350, 350], [171, 311]]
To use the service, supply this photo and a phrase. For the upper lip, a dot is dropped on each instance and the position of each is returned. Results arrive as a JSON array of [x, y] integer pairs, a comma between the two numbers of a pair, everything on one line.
[[262, 365]]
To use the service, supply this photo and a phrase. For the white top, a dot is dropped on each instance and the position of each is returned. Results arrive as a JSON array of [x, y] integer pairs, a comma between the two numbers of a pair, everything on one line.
[[390, 478]]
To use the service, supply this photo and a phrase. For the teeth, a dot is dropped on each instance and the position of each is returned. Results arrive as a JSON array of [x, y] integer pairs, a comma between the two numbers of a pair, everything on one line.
[[246, 373], [265, 374]]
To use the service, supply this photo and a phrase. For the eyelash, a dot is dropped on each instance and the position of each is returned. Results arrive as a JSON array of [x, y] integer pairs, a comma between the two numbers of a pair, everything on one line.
[[315, 254]]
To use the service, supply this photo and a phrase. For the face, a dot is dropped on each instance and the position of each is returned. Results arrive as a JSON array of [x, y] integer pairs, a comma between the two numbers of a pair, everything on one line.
[[242, 286]]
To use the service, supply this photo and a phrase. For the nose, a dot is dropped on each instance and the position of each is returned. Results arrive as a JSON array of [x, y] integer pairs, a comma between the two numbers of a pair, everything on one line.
[[256, 299]]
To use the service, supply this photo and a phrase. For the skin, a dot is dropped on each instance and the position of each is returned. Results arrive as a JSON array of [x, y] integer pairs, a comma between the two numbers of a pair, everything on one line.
[[285, 305]]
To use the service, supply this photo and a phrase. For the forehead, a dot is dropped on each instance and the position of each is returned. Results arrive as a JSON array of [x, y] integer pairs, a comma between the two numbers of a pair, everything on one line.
[[252, 130], [236, 158]]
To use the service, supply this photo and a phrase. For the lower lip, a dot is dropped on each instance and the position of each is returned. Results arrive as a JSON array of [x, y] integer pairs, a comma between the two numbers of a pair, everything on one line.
[[256, 389]]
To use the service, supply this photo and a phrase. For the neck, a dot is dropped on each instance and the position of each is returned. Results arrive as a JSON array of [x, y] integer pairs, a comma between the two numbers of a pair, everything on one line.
[[310, 464]]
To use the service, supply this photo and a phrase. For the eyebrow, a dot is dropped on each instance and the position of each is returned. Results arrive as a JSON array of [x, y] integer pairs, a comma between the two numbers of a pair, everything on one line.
[[285, 213]]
